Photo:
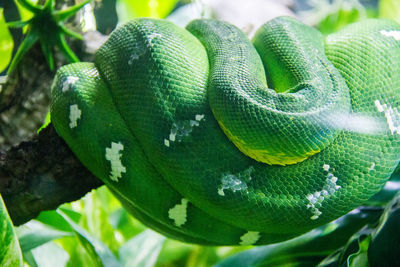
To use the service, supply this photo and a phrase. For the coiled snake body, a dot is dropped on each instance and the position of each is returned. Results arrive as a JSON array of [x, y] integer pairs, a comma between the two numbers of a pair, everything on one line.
[[181, 124]]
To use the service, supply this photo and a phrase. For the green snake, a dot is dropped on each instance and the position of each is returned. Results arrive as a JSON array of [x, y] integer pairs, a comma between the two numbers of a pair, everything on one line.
[[210, 138]]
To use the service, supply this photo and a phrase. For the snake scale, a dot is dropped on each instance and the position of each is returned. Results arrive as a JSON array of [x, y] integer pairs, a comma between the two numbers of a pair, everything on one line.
[[210, 138]]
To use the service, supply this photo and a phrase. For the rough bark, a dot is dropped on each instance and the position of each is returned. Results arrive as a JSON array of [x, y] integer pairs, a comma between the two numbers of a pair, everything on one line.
[[40, 175]]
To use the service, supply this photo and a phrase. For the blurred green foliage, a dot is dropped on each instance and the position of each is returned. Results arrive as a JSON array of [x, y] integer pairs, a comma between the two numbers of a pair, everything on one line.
[[6, 43], [49, 37], [10, 252], [98, 231], [389, 9], [336, 21], [128, 10], [24, 13]]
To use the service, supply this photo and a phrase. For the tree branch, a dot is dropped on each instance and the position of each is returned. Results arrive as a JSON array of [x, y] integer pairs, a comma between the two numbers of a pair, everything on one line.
[[40, 175]]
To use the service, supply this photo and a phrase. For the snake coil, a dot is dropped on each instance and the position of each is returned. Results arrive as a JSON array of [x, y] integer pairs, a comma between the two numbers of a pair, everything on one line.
[[182, 126]]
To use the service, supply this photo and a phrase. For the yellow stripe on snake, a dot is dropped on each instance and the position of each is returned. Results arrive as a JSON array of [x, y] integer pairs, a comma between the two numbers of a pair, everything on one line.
[[210, 138]]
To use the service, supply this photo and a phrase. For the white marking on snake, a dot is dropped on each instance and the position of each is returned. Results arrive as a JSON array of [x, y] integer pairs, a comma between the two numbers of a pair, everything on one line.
[[74, 115], [315, 199], [199, 117], [138, 49], [236, 58], [114, 156], [372, 166], [378, 106], [194, 123], [394, 34], [326, 167], [180, 129], [132, 58], [392, 116], [235, 182], [69, 83], [231, 37], [249, 238], [179, 213], [166, 142], [153, 36]]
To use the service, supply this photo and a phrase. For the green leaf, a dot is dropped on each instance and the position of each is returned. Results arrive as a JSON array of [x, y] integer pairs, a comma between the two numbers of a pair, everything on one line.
[[53, 219], [6, 43], [128, 10], [385, 238], [142, 250], [96, 219], [28, 42], [67, 31], [124, 223], [385, 195], [308, 249], [50, 255], [34, 234], [17, 24], [99, 251], [336, 21], [389, 9], [78, 255], [62, 15], [24, 13], [360, 258], [203, 256], [46, 49], [28, 5], [30, 259], [10, 252], [64, 48], [46, 122], [177, 252]]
